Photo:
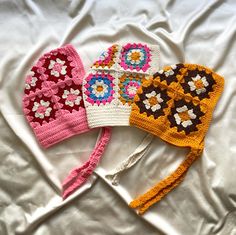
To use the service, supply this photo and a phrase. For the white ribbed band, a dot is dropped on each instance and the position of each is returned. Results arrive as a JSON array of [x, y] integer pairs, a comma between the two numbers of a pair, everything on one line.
[[108, 116]]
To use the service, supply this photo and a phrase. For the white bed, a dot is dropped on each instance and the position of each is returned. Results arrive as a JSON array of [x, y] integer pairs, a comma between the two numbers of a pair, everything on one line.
[[201, 32]]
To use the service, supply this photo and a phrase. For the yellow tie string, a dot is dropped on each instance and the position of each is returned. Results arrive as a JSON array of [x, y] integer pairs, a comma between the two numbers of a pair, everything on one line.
[[156, 193]]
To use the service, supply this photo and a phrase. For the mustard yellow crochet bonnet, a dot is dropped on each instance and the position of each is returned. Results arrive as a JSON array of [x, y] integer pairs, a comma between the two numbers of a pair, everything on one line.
[[176, 104]]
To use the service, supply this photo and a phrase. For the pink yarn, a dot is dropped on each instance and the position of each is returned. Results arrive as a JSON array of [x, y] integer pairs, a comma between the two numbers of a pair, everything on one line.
[[63, 121], [54, 107], [79, 175]]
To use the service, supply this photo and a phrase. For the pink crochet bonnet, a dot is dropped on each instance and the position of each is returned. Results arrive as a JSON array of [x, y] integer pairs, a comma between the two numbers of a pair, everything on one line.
[[54, 107]]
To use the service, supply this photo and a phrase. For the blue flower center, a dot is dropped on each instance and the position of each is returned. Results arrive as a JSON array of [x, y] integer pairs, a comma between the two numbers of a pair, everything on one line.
[[101, 96]]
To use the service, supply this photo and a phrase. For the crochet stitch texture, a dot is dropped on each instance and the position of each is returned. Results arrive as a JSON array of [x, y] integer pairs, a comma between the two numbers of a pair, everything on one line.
[[54, 107], [112, 82], [53, 102], [176, 105]]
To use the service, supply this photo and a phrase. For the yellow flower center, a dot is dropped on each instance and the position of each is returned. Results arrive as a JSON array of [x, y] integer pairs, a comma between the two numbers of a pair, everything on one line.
[[167, 68], [153, 101], [135, 56], [99, 88], [199, 84], [184, 116]]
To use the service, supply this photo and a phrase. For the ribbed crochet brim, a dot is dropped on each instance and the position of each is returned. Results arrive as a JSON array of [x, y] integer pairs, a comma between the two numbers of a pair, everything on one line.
[[108, 116], [62, 128]]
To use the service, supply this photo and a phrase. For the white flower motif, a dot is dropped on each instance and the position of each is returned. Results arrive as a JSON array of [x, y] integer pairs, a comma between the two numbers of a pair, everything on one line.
[[168, 72], [99, 88], [135, 56], [153, 101], [30, 81], [199, 84], [42, 109], [132, 90], [57, 67], [72, 97], [184, 116]]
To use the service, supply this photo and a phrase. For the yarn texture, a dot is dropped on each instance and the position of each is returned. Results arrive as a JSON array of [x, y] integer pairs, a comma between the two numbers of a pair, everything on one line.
[[54, 107], [131, 160], [53, 103], [112, 82], [176, 104]]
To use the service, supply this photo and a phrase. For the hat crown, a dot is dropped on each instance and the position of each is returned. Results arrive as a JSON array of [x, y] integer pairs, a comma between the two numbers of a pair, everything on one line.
[[113, 80], [53, 103], [177, 103], [54, 86]]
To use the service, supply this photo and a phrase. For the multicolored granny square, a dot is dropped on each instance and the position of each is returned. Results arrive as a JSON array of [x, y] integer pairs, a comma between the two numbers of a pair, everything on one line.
[[128, 86], [135, 56], [108, 58], [114, 79], [100, 88]]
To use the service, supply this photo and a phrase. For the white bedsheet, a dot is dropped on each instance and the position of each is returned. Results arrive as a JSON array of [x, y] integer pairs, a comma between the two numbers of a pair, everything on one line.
[[193, 31]]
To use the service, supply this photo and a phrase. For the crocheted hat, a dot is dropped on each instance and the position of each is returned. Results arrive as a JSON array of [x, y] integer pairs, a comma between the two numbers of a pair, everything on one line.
[[113, 80], [54, 107], [176, 105]]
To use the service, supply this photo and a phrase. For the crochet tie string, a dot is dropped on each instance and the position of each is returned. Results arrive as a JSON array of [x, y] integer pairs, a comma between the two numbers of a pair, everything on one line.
[[79, 175], [161, 189], [139, 152]]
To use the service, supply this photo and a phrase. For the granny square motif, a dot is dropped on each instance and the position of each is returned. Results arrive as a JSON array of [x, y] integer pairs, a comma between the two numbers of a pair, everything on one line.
[[112, 82], [53, 106], [176, 104], [53, 102]]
